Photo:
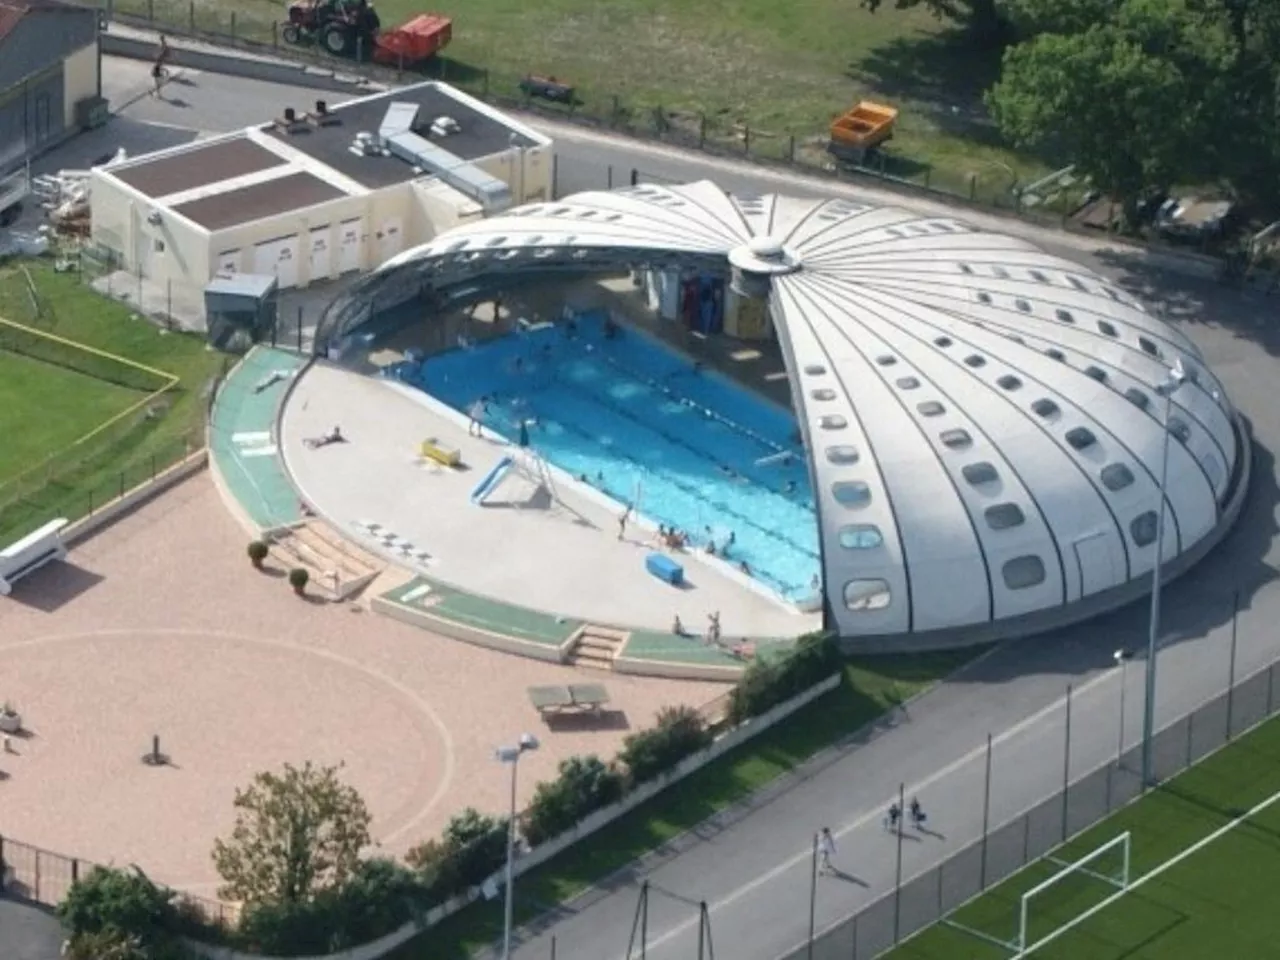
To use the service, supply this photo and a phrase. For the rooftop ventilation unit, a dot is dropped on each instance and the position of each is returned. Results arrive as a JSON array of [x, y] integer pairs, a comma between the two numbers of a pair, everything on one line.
[[366, 145], [445, 126], [322, 116], [397, 137], [289, 122]]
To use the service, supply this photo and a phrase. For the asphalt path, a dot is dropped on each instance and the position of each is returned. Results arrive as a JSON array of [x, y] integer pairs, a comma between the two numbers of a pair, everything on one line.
[[752, 865]]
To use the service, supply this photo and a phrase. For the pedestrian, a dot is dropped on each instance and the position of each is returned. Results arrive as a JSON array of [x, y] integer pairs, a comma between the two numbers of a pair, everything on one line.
[[826, 850], [160, 68], [713, 627], [893, 817], [918, 816], [478, 411]]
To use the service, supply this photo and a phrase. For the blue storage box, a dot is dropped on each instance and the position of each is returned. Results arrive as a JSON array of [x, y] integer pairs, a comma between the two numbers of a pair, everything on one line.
[[664, 568]]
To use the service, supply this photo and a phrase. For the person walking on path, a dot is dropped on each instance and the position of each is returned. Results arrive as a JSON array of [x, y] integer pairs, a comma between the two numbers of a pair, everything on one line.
[[826, 850], [918, 815], [893, 817], [160, 69]]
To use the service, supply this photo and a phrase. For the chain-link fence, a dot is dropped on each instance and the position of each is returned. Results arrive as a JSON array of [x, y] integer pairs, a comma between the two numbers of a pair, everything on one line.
[[41, 876], [1002, 850]]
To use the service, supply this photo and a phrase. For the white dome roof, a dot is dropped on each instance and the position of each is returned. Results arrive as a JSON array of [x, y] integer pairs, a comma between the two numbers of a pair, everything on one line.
[[984, 419]]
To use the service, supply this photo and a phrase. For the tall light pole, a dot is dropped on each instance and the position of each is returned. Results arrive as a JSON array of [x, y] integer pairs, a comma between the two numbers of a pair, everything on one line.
[[511, 756], [1176, 378], [1122, 658]]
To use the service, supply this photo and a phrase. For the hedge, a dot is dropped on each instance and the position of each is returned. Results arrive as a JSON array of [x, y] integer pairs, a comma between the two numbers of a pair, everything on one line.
[[767, 683], [584, 785]]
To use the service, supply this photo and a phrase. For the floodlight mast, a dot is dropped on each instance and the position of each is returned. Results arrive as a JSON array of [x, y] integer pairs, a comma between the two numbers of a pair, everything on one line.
[[1177, 376]]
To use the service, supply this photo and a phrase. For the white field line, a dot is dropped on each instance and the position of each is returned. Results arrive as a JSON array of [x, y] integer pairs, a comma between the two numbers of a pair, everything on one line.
[[1152, 874]]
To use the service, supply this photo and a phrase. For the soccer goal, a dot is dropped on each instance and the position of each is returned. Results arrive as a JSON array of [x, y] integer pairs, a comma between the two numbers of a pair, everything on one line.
[[1056, 904]]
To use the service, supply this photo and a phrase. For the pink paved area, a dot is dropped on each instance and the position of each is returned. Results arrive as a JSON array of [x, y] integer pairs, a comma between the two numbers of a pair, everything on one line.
[[158, 625]]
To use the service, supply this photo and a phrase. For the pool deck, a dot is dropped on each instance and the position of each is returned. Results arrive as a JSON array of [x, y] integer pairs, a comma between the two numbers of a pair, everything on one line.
[[561, 556]]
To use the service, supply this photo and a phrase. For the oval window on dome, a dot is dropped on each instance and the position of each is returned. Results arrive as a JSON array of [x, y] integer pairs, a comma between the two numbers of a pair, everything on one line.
[[1116, 476], [931, 408], [863, 596], [907, 383], [823, 393], [833, 422], [1021, 573], [815, 369], [843, 454], [851, 493], [1145, 528], [860, 536]]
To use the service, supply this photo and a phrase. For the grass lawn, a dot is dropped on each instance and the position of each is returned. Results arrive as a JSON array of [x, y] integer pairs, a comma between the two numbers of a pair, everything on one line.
[[784, 69], [871, 686], [1218, 904], [46, 408]]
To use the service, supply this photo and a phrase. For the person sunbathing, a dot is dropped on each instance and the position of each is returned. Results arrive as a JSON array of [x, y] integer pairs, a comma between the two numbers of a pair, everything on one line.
[[333, 436]]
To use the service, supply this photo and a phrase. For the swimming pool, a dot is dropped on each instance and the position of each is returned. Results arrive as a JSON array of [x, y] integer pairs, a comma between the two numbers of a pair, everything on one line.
[[638, 421]]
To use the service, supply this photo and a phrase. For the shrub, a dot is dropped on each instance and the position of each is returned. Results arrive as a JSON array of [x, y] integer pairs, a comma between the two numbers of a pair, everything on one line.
[[298, 578], [585, 784], [122, 901], [469, 851], [379, 898], [679, 732], [767, 683], [258, 551]]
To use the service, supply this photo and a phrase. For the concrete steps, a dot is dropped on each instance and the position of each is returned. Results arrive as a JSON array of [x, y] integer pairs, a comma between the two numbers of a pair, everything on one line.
[[595, 647], [338, 568]]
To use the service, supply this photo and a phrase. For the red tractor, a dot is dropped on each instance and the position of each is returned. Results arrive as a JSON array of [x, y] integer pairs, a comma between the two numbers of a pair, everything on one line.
[[346, 27], [341, 26]]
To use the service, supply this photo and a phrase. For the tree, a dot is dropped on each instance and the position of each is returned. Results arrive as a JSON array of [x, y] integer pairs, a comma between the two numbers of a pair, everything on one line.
[[985, 19], [1175, 91], [1122, 115], [296, 834]]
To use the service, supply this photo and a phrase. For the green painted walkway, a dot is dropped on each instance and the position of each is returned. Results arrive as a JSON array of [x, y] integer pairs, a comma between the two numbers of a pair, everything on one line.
[[242, 437], [510, 621]]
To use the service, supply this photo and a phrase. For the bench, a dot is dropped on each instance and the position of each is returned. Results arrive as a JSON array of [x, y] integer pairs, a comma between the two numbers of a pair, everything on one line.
[[574, 697], [30, 553]]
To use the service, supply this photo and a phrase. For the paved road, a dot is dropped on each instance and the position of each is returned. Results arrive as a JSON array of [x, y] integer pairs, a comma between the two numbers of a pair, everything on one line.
[[28, 933], [753, 872]]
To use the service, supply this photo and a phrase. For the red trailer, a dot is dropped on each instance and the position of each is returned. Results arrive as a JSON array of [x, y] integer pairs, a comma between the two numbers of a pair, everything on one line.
[[420, 39]]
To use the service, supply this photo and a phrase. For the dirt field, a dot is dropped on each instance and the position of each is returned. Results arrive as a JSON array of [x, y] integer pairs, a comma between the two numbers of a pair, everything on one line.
[[159, 626]]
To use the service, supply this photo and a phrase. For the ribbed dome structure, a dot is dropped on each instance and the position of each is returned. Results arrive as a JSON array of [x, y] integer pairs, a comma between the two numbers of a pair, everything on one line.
[[985, 421]]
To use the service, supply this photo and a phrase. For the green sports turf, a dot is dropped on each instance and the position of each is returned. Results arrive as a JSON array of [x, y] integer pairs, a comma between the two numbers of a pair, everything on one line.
[[44, 408], [1217, 904], [84, 477]]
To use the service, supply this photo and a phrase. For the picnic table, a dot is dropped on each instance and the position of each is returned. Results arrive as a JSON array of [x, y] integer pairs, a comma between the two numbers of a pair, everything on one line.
[[573, 697]]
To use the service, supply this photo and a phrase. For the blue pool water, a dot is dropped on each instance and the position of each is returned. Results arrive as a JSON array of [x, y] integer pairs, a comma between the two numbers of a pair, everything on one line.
[[640, 423]]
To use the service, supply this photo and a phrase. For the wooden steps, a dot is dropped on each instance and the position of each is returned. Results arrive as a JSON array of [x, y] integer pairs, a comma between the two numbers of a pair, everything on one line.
[[338, 567], [595, 647]]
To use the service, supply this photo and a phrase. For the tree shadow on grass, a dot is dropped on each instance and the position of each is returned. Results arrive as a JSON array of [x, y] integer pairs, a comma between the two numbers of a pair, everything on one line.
[[945, 68]]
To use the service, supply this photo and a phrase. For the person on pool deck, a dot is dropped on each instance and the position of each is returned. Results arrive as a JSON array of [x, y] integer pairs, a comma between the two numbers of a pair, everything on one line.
[[677, 627], [622, 522], [479, 410]]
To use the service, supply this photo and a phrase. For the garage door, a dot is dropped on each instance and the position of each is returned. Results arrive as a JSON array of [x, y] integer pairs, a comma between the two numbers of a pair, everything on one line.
[[278, 258], [229, 261], [321, 258], [349, 246], [390, 239]]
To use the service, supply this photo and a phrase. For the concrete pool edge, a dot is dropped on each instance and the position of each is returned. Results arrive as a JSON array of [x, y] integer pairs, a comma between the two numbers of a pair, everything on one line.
[[562, 478]]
